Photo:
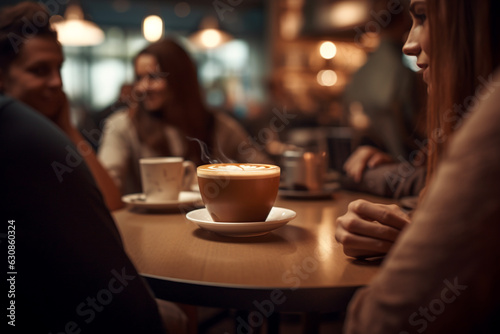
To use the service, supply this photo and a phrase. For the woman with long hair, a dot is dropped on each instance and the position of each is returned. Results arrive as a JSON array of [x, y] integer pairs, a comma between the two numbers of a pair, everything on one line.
[[460, 66], [442, 276], [168, 117]]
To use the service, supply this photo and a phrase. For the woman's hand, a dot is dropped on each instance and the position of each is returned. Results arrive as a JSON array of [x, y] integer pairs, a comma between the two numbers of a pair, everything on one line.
[[362, 157], [369, 229]]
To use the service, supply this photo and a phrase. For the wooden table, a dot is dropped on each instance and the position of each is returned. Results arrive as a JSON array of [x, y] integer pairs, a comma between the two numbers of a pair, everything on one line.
[[299, 267]]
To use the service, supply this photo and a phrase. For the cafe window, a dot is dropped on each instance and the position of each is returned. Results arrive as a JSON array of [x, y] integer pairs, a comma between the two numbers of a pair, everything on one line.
[[230, 74], [93, 76]]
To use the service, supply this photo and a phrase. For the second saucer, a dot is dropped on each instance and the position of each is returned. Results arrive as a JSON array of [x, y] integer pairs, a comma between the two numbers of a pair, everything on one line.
[[185, 198]]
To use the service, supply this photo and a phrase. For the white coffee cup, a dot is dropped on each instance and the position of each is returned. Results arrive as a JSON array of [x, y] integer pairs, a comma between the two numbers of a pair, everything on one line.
[[163, 178]]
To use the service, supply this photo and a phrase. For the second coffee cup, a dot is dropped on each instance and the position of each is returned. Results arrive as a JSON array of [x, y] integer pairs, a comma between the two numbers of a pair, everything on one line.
[[238, 192], [163, 177]]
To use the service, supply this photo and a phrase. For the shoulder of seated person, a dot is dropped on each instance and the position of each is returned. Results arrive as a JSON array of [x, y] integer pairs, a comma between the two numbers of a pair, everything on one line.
[[481, 126], [226, 120], [120, 114], [120, 118], [5, 100], [221, 115]]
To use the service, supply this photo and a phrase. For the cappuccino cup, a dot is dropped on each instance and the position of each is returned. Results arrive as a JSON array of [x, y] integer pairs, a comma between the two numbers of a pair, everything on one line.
[[238, 192], [164, 177]]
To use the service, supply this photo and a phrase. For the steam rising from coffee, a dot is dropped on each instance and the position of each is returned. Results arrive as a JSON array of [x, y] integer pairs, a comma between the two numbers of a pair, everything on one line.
[[205, 155]]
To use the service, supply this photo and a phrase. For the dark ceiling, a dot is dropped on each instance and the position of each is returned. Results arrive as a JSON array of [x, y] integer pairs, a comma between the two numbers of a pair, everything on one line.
[[240, 17]]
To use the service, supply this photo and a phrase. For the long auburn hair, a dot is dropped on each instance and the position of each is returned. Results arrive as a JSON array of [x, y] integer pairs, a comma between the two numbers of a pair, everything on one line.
[[187, 112], [464, 42]]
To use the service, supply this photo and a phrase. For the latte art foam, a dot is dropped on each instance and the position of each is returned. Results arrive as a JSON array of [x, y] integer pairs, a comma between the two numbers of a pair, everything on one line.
[[238, 170]]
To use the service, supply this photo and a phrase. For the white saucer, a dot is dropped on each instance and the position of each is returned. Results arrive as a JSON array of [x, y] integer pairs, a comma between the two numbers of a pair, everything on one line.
[[277, 218], [185, 198]]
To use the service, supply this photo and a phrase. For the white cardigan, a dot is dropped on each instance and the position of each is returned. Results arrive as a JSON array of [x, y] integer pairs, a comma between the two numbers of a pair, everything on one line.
[[120, 148]]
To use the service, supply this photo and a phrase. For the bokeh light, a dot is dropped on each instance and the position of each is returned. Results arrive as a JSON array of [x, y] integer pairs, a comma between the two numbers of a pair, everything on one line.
[[327, 50]]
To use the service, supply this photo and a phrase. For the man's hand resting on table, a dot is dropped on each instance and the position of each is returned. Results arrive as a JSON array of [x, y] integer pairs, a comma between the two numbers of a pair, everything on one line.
[[369, 229], [365, 157]]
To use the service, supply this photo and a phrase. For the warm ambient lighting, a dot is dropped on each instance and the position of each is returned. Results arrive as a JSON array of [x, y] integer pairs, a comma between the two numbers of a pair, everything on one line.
[[327, 50], [327, 78], [74, 30], [152, 28], [348, 13], [290, 24], [209, 36]]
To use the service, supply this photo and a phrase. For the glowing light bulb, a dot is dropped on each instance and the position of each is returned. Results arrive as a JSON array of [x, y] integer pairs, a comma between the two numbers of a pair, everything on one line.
[[328, 50], [211, 38], [327, 78], [152, 28]]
